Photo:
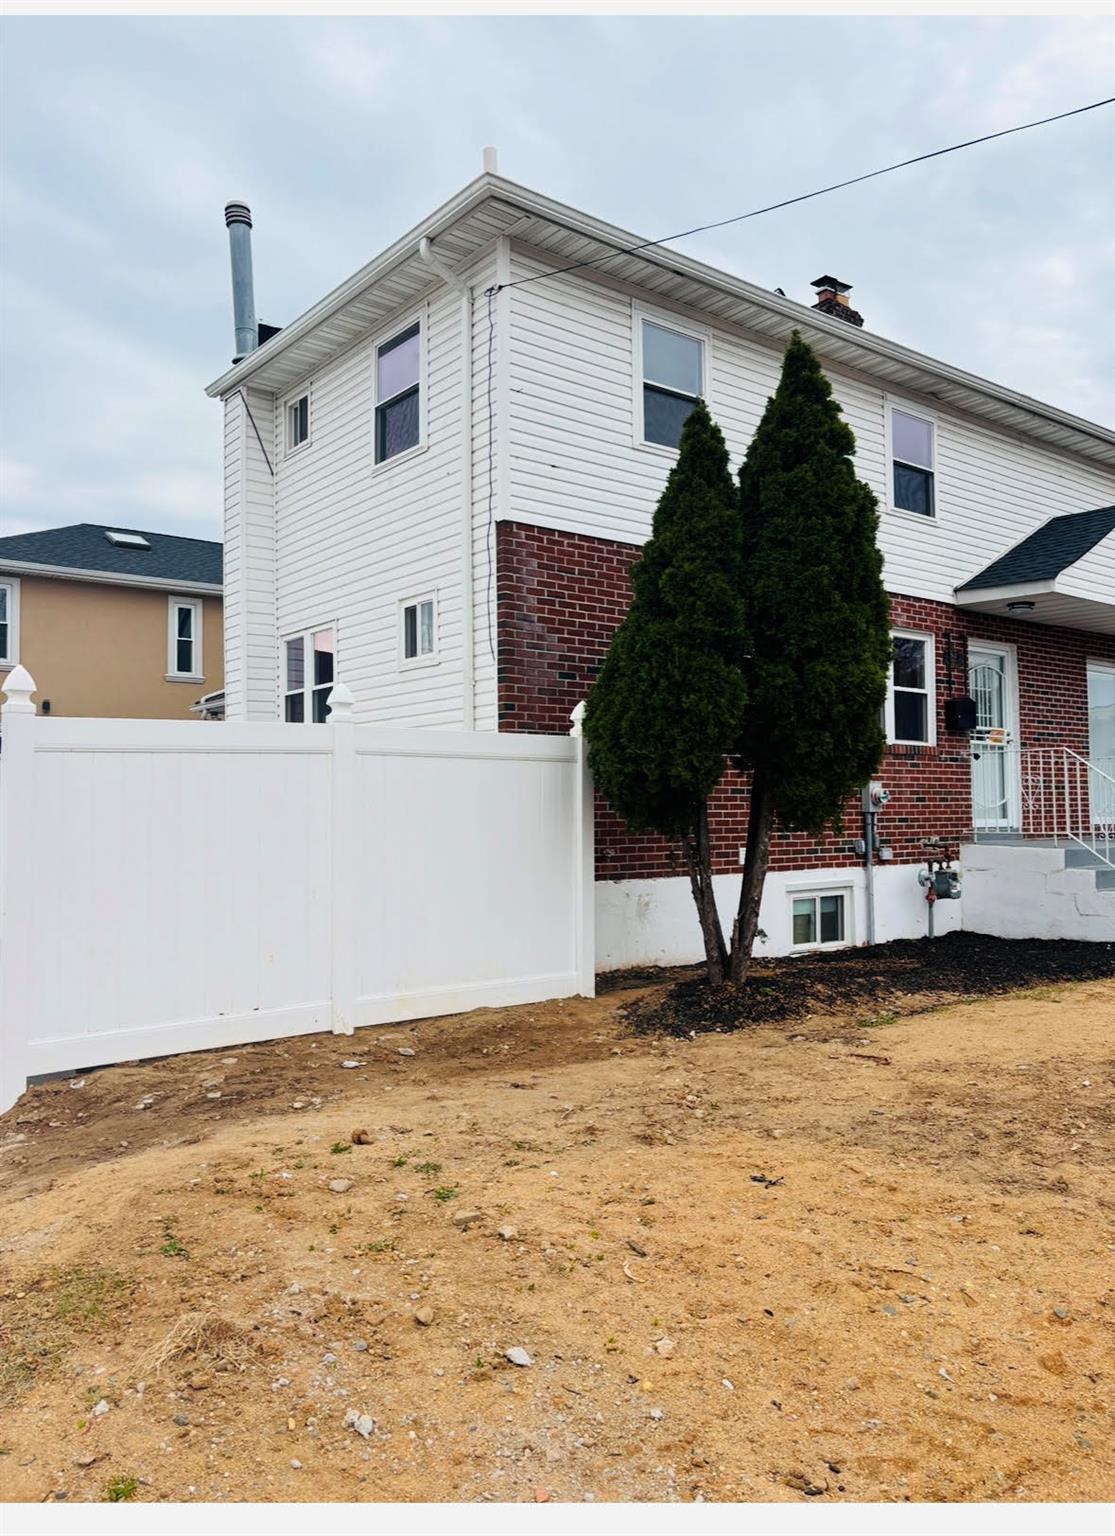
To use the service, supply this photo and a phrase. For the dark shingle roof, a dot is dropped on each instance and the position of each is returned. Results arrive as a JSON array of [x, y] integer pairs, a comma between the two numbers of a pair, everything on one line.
[[1045, 553], [84, 547]]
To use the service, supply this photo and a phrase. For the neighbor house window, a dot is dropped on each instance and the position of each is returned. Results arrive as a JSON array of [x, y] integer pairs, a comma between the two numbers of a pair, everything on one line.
[[913, 456], [673, 381], [818, 917], [184, 640], [418, 637], [309, 671], [9, 623], [911, 704], [398, 393], [297, 422]]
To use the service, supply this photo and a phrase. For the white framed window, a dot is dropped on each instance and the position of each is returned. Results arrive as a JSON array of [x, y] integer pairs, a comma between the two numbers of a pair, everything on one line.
[[670, 376], [911, 708], [418, 630], [9, 621], [309, 668], [184, 638], [820, 919], [399, 407], [298, 421], [912, 460]]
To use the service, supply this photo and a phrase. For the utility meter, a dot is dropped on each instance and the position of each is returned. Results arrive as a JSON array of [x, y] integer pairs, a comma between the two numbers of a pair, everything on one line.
[[875, 796]]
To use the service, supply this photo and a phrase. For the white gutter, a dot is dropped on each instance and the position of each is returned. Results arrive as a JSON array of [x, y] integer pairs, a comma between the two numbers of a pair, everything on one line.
[[468, 615], [110, 578]]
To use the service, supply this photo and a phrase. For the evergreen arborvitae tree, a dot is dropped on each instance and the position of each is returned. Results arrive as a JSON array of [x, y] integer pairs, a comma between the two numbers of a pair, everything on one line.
[[818, 635], [668, 705]]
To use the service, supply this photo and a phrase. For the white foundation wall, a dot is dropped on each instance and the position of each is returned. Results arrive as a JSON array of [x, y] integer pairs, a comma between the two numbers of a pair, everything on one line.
[[1028, 893], [654, 922]]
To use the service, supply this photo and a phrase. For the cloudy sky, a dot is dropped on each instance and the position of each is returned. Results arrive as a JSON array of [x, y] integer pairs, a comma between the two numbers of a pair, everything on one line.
[[123, 138]]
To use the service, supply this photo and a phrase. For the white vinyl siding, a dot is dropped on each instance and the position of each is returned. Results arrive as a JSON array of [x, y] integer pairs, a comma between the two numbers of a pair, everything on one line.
[[251, 668]]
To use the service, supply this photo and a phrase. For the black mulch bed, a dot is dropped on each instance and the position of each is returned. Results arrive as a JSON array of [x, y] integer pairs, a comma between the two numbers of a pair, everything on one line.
[[903, 977]]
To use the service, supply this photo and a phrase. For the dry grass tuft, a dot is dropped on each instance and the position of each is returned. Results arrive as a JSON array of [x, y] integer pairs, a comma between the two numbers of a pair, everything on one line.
[[223, 1345]]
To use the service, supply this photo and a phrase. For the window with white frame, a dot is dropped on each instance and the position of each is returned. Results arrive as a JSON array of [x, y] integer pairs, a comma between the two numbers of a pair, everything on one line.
[[309, 672], [9, 623], [398, 423], [818, 917], [913, 459], [184, 638], [418, 630], [673, 364], [297, 422], [911, 710]]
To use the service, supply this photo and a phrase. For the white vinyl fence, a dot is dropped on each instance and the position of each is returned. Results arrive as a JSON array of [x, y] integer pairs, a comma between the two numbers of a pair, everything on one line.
[[173, 885]]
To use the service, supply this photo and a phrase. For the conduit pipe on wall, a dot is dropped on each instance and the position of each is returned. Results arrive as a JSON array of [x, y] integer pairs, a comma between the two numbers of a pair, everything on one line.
[[468, 617]]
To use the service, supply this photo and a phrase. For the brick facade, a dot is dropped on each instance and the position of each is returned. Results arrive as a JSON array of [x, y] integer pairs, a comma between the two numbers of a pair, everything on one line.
[[560, 597]]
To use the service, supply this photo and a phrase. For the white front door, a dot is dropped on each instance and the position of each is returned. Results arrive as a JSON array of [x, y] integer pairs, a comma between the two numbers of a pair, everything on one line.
[[991, 683], [1101, 742]]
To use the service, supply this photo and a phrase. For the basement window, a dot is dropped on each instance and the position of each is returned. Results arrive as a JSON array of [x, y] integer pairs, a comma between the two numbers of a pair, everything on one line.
[[673, 368], [911, 708], [184, 639], [398, 423], [418, 631], [818, 918], [309, 672], [912, 456], [297, 422]]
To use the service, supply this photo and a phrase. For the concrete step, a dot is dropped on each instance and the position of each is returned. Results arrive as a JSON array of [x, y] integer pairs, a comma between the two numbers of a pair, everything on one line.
[[1082, 858], [1105, 879]]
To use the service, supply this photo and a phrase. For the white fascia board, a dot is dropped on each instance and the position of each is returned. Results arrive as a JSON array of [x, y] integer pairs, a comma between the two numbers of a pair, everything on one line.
[[536, 204], [1005, 594], [110, 578]]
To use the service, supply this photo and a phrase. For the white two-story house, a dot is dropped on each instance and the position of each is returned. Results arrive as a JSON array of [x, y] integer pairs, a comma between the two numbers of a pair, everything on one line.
[[438, 478]]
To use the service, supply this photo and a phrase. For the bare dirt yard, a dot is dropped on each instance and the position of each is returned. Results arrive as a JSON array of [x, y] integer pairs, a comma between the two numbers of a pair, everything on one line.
[[847, 1256]]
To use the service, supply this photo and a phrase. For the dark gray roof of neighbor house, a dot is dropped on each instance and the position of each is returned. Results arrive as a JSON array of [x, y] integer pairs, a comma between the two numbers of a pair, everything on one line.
[[1048, 551], [87, 547]]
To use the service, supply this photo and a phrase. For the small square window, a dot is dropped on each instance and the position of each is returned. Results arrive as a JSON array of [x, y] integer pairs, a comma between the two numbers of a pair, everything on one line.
[[673, 381], [297, 422], [913, 456], [419, 630], [819, 918]]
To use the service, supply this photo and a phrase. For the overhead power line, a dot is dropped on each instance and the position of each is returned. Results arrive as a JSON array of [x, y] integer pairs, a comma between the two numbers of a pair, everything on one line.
[[804, 197]]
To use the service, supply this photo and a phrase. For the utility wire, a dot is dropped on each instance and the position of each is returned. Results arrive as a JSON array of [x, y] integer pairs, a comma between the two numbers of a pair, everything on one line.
[[788, 202]]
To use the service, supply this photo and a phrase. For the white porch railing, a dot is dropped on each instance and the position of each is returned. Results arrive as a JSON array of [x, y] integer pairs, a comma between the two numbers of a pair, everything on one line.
[[1052, 793]]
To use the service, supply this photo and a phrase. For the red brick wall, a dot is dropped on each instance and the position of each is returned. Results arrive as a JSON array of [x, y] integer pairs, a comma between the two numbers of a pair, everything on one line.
[[560, 597]]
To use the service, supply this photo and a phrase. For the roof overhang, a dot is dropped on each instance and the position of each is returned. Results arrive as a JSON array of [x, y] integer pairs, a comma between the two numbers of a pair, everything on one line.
[[108, 578], [1050, 606], [491, 206]]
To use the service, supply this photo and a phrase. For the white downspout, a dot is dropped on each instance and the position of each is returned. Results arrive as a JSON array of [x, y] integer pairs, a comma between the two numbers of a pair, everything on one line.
[[468, 615]]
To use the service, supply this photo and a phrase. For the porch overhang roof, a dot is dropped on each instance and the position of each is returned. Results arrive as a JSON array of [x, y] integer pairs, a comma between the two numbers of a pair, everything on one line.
[[1050, 605]]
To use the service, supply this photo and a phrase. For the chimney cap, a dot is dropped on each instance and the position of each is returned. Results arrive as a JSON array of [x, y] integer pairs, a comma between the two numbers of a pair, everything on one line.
[[828, 281], [238, 213]]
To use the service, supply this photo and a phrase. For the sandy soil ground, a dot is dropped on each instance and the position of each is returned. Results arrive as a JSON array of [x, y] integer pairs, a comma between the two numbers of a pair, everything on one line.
[[851, 1259]]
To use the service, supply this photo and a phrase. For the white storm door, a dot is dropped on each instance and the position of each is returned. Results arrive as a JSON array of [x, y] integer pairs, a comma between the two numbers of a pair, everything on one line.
[[1101, 743], [991, 683]]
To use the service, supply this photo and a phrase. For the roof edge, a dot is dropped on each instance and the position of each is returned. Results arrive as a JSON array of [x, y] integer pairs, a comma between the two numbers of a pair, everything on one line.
[[110, 578]]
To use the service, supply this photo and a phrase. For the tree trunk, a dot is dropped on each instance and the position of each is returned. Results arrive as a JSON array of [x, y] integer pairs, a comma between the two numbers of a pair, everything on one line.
[[760, 824], [698, 858]]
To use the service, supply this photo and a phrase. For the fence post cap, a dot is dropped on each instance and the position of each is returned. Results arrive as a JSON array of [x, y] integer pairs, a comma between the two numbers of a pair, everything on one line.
[[577, 718], [340, 702], [18, 687]]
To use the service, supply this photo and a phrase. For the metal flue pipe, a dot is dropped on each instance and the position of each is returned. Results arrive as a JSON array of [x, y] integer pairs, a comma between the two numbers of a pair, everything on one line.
[[238, 217]]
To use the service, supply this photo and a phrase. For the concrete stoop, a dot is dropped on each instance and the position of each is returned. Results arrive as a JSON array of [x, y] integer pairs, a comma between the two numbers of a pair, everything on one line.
[[1018, 889]]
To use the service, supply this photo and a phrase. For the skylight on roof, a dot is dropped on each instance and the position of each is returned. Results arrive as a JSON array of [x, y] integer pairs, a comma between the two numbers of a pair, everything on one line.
[[126, 540]]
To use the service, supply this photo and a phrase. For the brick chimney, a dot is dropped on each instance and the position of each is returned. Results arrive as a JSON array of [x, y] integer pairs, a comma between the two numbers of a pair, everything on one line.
[[832, 299]]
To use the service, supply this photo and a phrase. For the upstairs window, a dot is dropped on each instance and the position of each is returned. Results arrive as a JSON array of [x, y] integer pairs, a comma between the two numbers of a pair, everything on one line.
[[912, 452], [297, 422], [911, 697], [398, 394], [418, 630], [9, 623], [309, 671], [184, 641], [673, 381]]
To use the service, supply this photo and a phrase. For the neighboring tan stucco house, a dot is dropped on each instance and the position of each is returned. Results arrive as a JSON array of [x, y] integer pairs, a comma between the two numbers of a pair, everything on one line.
[[113, 621]]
